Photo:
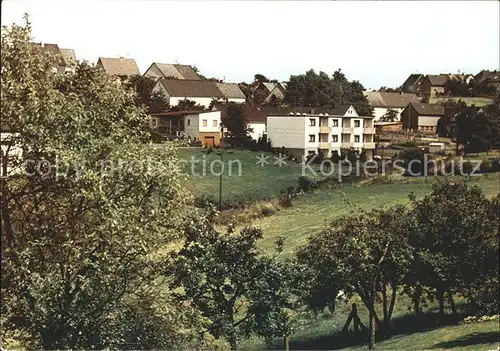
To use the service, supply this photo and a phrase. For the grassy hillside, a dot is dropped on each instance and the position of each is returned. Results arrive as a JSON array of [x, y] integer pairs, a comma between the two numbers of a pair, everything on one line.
[[478, 336], [310, 212], [252, 183], [477, 101]]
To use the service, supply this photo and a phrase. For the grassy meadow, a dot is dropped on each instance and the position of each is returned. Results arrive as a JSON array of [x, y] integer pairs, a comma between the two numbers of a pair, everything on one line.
[[308, 215]]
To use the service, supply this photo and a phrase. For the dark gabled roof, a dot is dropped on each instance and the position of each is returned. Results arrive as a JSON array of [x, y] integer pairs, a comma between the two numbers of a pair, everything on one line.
[[255, 114], [438, 80], [276, 111], [487, 75], [191, 88], [413, 79], [341, 110], [428, 109], [385, 99], [119, 66], [187, 72], [202, 88]]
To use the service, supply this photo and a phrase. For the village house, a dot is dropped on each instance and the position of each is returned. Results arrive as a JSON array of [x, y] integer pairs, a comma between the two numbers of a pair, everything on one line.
[[256, 120], [384, 101], [491, 78], [422, 117], [167, 70], [121, 67], [200, 91], [433, 85], [272, 89], [412, 83], [307, 131], [203, 126], [65, 58]]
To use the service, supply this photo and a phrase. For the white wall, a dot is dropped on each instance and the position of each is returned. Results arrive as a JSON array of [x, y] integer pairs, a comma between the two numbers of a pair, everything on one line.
[[380, 111], [311, 130], [236, 100], [192, 128], [210, 117], [287, 131], [153, 72], [429, 121], [161, 89], [259, 128]]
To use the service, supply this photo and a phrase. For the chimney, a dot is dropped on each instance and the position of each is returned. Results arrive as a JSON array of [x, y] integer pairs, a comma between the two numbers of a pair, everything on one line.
[[311, 111]]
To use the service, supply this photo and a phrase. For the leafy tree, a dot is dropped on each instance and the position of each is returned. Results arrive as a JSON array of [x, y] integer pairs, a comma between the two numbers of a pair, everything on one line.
[[389, 116], [233, 119], [319, 90], [229, 280], [260, 78], [273, 308], [391, 90], [457, 87], [413, 161], [77, 233], [362, 254], [455, 249], [477, 130], [187, 105], [142, 87]]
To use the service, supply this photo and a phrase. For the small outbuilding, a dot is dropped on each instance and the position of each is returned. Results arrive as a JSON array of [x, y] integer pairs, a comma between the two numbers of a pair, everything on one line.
[[436, 148]]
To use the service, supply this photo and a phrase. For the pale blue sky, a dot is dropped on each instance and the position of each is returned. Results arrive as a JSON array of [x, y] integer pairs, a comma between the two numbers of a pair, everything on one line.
[[377, 43]]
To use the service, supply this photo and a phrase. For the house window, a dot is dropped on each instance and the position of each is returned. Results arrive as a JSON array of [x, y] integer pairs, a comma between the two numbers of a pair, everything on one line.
[[356, 138], [214, 123], [189, 122], [154, 122], [335, 138], [335, 122], [312, 138], [312, 122], [205, 123], [356, 123]]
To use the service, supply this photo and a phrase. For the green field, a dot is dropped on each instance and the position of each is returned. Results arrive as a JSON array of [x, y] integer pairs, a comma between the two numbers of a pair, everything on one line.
[[310, 212], [477, 101], [243, 179], [307, 216]]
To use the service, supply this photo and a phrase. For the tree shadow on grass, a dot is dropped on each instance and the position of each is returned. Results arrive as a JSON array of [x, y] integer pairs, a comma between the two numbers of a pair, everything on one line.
[[401, 325], [470, 340]]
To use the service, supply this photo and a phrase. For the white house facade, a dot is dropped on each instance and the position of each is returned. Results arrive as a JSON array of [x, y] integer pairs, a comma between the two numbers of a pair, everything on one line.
[[304, 133], [384, 101]]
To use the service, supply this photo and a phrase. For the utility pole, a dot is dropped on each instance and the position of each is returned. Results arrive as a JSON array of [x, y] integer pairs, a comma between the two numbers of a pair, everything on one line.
[[221, 144]]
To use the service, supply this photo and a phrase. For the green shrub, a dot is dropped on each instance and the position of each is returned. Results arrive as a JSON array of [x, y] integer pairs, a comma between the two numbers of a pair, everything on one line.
[[306, 184], [267, 210], [285, 200]]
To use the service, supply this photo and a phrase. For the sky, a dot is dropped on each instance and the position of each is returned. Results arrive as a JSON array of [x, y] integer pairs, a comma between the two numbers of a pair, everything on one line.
[[378, 43]]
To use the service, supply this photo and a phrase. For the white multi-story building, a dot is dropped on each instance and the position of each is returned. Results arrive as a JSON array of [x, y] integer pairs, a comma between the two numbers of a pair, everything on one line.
[[308, 132]]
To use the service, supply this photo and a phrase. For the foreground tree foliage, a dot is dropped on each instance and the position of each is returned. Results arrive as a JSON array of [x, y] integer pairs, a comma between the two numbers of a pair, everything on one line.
[[455, 243], [78, 230], [443, 244], [231, 282], [365, 254]]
